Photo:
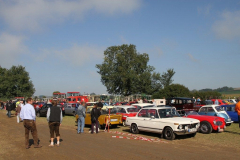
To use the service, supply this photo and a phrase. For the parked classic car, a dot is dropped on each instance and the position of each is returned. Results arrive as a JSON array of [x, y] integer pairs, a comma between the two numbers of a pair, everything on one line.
[[142, 105], [43, 110], [163, 120], [230, 109], [126, 111], [208, 123], [220, 102], [215, 110], [103, 119], [70, 108]]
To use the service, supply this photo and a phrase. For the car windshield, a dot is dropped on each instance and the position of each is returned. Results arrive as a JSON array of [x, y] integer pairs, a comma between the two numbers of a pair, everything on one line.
[[218, 108], [168, 113], [130, 110]]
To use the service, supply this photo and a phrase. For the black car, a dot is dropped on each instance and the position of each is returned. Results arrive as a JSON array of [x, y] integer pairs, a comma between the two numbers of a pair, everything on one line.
[[43, 110]]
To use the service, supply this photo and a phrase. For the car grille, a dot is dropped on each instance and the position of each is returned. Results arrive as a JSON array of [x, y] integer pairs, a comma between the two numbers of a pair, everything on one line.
[[218, 123], [189, 126]]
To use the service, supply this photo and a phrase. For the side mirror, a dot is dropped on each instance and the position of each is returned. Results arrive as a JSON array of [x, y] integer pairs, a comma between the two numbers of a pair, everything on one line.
[[152, 117]]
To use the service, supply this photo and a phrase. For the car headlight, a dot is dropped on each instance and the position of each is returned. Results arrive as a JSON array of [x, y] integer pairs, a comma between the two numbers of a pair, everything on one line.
[[229, 119], [180, 126]]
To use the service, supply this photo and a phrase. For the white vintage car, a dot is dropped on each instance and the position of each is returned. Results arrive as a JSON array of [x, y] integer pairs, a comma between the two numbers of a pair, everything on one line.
[[163, 120]]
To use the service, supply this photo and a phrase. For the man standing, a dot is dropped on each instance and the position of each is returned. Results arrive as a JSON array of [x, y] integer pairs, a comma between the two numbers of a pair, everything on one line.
[[100, 104], [237, 109], [9, 108], [95, 113], [81, 117], [28, 115]]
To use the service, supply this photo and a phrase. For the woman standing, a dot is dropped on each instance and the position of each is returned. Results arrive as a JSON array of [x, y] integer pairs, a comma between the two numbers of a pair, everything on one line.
[[95, 113], [54, 118]]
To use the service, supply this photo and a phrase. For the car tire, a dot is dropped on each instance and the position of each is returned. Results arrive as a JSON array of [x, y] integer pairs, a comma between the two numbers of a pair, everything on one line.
[[134, 129], [205, 127], [38, 114], [228, 124], [169, 134]]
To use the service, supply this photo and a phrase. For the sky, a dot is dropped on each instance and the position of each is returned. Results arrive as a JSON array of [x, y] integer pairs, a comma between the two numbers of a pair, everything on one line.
[[59, 42]]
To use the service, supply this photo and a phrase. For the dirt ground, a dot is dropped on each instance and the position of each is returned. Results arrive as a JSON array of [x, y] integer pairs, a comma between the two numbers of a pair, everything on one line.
[[102, 145]]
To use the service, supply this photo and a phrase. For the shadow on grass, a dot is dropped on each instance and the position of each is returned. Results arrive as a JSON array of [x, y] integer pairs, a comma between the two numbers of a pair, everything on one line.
[[232, 132]]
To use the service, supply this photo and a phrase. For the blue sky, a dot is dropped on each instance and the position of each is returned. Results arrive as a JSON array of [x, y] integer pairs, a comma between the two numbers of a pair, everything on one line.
[[60, 41]]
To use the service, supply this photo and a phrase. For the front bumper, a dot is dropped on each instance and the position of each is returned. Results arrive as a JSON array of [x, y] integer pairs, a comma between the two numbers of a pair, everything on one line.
[[184, 132]]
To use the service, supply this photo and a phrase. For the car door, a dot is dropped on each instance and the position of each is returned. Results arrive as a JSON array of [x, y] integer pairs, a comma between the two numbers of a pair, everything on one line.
[[43, 110], [141, 119], [231, 112], [151, 122]]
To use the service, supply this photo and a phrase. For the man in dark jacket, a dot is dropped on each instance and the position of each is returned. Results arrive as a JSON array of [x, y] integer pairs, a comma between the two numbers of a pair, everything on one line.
[[9, 108], [95, 113], [54, 118]]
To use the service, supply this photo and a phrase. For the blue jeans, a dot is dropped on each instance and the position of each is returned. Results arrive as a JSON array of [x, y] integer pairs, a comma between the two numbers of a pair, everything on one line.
[[81, 124], [9, 114]]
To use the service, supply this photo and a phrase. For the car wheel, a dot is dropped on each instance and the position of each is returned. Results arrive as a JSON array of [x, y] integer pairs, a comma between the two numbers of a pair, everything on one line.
[[134, 129], [169, 134], [228, 124], [205, 128], [38, 114]]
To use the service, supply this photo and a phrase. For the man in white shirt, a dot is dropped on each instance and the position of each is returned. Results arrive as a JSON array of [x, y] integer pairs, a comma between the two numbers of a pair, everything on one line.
[[28, 115]]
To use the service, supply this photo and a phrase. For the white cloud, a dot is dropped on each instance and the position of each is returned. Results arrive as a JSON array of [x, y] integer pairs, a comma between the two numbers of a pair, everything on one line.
[[11, 47], [228, 27], [77, 55], [192, 58], [34, 15]]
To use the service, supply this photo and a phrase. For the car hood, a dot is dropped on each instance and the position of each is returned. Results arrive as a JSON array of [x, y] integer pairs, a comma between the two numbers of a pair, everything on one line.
[[180, 120], [202, 117]]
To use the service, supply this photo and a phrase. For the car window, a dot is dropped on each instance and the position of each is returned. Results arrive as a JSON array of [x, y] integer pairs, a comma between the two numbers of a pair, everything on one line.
[[153, 112], [210, 109], [218, 108], [130, 110], [167, 113], [138, 107], [203, 109], [142, 113], [122, 110]]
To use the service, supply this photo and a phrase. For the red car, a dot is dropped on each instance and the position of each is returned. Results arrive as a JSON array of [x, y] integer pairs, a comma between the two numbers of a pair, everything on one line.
[[38, 104], [220, 102], [208, 123], [126, 111]]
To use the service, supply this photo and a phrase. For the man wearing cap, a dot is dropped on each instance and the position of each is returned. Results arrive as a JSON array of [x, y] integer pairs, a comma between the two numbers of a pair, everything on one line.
[[28, 115]]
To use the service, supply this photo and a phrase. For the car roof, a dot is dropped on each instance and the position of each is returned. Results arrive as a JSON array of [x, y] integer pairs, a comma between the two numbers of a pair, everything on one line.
[[158, 108], [124, 106], [142, 104], [179, 98], [211, 105]]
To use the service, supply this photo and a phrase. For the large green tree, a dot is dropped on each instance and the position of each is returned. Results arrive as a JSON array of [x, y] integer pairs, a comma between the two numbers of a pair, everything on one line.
[[126, 72], [173, 90], [16, 83]]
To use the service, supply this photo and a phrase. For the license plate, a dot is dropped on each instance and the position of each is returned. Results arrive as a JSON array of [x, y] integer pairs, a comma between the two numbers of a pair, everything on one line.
[[192, 130], [113, 120]]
